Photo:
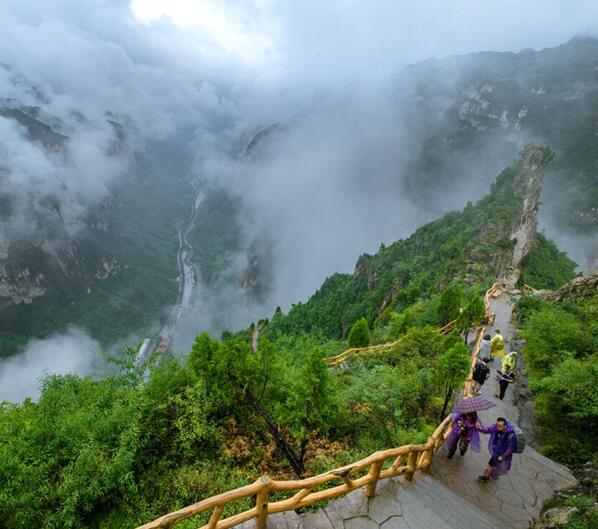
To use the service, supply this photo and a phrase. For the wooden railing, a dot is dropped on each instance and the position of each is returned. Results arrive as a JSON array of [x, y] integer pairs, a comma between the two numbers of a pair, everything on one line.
[[527, 289], [356, 351], [404, 460]]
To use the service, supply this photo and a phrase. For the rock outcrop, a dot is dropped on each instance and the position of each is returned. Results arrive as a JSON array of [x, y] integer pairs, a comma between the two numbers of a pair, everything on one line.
[[580, 287], [527, 180]]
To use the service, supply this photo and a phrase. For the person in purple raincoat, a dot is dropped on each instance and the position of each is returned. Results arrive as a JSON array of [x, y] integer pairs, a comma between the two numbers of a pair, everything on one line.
[[464, 434], [501, 445]]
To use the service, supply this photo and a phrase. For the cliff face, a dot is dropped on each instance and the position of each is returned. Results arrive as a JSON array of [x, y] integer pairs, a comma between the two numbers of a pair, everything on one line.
[[527, 180]]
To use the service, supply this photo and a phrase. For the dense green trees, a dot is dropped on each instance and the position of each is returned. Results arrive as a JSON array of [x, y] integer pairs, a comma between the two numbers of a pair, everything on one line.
[[560, 353], [359, 336], [450, 304], [545, 266], [120, 450]]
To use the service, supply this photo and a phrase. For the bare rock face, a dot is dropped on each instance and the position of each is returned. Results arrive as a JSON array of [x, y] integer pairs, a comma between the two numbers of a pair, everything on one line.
[[527, 180], [580, 287], [23, 287], [555, 518]]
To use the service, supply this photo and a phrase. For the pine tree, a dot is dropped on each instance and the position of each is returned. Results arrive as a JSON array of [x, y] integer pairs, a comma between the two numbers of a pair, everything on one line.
[[359, 336], [311, 402], [450, 303], [451, 370]]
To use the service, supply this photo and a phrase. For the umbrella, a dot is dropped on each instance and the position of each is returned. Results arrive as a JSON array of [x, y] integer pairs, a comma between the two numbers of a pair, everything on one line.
[[473, 404]]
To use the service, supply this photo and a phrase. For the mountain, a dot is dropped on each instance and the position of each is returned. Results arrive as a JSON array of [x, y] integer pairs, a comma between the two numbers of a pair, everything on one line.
[[113, 268], [471, 112], [123, 449], [486, 241], [111, 263]]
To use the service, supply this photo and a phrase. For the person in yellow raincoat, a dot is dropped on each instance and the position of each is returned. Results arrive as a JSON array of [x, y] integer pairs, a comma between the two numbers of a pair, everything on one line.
[[497, 347], [510, 360]]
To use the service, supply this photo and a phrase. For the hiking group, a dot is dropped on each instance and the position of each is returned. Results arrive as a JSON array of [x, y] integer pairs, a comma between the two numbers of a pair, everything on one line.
[[505, 438], [490, 350]]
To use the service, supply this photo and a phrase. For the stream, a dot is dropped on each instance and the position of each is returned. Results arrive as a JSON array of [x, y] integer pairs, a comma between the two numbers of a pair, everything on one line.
[[188, 279]]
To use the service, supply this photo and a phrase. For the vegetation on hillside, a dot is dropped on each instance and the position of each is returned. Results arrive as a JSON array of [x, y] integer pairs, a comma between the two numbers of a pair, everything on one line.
[[120, 450], [561, 355], [545, 266], [116, 452], [468, 246]]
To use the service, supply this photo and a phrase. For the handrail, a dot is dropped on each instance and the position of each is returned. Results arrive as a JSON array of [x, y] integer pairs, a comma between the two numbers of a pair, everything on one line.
[[529, 289], [406, 460], [345, 355]]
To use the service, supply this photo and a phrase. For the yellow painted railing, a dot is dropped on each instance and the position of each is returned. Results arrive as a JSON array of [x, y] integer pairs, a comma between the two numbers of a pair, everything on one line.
[[356, 351], [404, 460]]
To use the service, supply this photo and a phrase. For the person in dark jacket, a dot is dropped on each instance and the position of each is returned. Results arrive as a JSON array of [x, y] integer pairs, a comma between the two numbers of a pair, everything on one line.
[[501, 445], [480, 374], [504, 378]]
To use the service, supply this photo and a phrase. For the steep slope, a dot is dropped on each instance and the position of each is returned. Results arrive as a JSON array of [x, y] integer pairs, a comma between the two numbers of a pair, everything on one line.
[[484, 241], [107, 265], [493, 103]]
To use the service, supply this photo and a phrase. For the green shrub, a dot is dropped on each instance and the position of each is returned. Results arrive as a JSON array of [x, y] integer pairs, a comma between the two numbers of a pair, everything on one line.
[[359, 336]]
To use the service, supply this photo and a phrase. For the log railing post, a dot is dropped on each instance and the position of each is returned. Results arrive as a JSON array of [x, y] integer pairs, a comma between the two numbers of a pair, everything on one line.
[[429, 454], [261, 503], [370, 488], [412, 465], [215, 515]]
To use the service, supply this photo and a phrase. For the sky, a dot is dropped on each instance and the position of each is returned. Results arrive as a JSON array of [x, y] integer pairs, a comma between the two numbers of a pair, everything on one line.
[[345, 39], [224, 68]]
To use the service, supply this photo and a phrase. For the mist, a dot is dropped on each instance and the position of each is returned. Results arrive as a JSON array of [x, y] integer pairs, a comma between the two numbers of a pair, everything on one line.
[[329, 182], [73, 352]]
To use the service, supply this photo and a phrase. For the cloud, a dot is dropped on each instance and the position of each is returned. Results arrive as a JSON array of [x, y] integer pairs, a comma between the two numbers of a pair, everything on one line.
[[330, 183], [72, 352]]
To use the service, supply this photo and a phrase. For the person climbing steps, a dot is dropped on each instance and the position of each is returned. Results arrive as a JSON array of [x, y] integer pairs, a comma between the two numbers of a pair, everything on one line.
[[464, 434], [501, 445], [504, 378], [497, 347]]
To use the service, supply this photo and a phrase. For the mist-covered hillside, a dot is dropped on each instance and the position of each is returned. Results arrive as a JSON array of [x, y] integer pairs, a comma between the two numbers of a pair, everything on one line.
[[473, 110], [120, 450], [135, 210]]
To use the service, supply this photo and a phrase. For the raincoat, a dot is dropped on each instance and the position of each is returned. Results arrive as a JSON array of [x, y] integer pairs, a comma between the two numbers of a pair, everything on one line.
[[498, 346], [509, 360], [470, 434], [500, 444]]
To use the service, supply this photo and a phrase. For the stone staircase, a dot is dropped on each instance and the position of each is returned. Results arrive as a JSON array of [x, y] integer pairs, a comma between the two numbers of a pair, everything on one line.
[[449, 496]]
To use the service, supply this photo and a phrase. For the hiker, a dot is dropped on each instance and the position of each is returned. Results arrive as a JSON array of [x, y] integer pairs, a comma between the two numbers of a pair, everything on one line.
[[501, 445], [485, 347], [504, 378], [463, 433], [510, 360], [480, 374], [497, 347]]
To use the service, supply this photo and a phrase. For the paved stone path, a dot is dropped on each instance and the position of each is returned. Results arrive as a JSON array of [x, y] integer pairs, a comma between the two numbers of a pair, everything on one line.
[[449, 497], [517, 497]]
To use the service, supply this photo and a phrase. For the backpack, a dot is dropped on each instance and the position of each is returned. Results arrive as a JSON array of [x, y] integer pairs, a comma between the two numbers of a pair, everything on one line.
[[481, 372], [520, 439]]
